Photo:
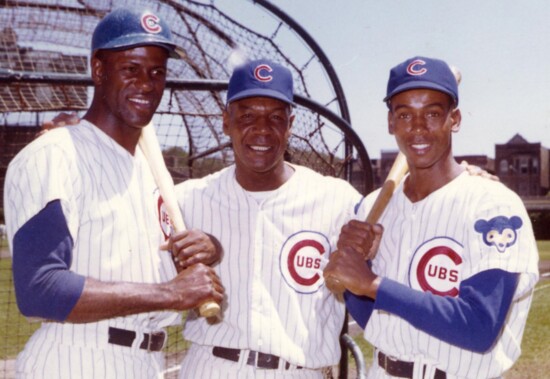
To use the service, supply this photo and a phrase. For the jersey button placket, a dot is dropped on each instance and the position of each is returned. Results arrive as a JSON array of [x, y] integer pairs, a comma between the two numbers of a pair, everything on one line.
[[256, 304]]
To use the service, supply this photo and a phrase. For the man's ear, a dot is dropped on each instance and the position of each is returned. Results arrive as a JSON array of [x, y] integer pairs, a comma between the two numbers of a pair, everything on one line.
[[225, 121], [291, 122], [97, 70], [456, 118], [390, 123]]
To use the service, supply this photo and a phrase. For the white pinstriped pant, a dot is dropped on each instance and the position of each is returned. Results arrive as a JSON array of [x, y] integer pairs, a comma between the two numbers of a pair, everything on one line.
[[60, 361]]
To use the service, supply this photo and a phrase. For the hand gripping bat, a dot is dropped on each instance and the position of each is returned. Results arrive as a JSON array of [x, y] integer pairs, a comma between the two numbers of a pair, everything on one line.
[[151, 149], [396, 174]]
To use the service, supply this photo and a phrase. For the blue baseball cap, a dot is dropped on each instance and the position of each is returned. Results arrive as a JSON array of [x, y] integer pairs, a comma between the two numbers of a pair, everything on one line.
[[126, 28], [261, 78], [422, 72]]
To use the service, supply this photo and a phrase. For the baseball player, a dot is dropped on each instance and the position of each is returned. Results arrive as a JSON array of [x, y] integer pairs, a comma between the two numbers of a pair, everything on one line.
[[85, 223], [448, 292], [277, 223]]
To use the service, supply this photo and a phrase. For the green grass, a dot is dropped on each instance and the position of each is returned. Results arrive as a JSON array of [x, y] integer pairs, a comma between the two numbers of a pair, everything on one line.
[[544, 250], [533, 362], [14, 328]]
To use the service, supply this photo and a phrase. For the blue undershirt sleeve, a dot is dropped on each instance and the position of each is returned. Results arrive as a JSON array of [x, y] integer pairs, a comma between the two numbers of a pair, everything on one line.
[[42, 255], [471, 321], [359, 307]]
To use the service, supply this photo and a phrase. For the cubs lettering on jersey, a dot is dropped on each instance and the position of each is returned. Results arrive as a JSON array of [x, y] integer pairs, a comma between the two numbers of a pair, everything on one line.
[[436, 267], [301, 261]]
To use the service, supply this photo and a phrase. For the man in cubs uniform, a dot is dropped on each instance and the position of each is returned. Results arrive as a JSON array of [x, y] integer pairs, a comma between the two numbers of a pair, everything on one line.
[[84, 223], [277, 223], [448, 292]]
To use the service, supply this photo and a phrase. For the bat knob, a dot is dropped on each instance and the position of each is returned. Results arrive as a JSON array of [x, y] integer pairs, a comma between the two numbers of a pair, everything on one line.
[[334, 285], [209, 309]]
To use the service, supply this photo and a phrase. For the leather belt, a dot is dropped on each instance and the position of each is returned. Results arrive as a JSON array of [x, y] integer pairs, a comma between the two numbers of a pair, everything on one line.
[[151, 341], [255, 358], [401, 369]]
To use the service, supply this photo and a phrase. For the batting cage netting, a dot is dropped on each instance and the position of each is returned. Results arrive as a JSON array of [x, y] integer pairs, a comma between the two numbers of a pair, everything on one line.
[[44, 70]]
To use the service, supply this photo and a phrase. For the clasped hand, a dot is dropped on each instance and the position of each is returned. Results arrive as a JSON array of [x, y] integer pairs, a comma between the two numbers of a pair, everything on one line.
[[348, 267]]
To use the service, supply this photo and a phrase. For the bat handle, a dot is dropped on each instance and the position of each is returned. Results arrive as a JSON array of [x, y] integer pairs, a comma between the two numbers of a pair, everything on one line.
[[209, 309], [381, 202]]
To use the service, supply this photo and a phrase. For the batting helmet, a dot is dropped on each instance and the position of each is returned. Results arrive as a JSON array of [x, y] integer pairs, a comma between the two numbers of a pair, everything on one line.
[[126, 28]]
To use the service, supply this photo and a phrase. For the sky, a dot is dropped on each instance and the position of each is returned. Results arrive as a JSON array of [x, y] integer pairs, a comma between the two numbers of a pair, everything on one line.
[[502, 48]]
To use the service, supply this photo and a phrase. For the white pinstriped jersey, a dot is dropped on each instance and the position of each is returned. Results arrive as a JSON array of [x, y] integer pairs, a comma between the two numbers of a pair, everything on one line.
[[111, 204], [434, 244], [274, 253]]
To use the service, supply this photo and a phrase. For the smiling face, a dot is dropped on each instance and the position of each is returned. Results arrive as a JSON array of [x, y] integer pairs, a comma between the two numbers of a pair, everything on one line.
[[422, 121], [259, 128], [128, 88]]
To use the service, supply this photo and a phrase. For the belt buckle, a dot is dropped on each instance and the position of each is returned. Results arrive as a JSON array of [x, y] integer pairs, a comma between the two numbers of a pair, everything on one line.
[[387, 360], [384, 360], [151, 339], [252, 359], [263, 360], [268, 361]]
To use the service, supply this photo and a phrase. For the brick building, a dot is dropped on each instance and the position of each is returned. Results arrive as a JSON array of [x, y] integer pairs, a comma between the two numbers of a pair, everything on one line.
[[523, 166]]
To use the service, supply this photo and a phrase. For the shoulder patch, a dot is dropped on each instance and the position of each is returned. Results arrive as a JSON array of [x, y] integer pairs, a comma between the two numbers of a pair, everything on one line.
[[500, 231]]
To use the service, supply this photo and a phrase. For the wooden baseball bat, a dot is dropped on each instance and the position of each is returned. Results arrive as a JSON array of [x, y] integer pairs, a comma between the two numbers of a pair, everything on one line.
[[150, 146], [457, 73], [396, 174]]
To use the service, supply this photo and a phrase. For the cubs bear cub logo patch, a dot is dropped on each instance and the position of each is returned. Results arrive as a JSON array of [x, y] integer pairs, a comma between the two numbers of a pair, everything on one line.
[[500, 231]]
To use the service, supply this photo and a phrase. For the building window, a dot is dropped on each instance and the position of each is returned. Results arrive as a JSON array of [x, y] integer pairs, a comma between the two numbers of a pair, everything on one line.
[[524, 165], [504, 166], [535, 166]]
